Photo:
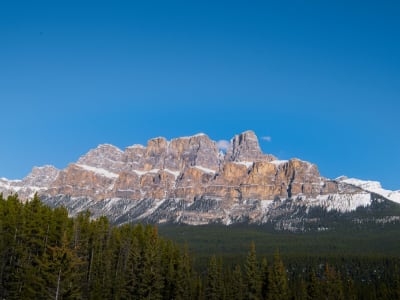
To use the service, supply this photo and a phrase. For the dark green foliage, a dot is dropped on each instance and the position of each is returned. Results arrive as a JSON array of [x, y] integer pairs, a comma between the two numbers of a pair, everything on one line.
[[214, 288], [253, 278], [277, 281], [234, 240], [265, 276], [332, 286], [44, 254], [396, 283], [237, 290], [313, 288]]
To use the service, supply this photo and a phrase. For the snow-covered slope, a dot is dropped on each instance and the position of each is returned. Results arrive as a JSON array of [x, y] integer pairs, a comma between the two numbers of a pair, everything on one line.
[[372, 187]]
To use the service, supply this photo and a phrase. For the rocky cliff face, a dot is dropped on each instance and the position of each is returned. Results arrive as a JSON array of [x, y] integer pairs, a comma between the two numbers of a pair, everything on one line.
[[245, 147], [37, 181], [188, 180]]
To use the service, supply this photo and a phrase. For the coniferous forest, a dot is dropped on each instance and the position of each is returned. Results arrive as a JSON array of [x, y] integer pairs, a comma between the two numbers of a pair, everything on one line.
[[44, 254]]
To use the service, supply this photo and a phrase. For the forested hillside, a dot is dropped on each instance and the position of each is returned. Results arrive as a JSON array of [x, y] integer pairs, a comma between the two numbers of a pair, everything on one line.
[[44, 254]]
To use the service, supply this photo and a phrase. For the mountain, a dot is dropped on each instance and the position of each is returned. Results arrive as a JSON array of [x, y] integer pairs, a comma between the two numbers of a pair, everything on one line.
[[189, 180]]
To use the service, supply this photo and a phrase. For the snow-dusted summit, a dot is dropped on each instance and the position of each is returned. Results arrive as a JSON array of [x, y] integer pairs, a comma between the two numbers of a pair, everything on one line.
[[188, 180], [372, 187]]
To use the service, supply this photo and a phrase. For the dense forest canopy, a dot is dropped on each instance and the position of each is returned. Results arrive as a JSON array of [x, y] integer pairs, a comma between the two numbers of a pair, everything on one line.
[[45, 254]]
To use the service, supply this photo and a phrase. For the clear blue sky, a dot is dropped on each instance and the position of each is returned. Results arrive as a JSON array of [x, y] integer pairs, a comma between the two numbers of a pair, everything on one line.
[[322, 79]]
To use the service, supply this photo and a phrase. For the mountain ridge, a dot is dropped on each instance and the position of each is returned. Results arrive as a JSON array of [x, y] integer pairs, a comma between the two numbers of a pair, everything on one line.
[[189, 180]]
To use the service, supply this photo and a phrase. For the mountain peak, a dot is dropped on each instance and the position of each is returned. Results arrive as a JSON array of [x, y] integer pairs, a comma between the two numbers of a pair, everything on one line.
[[41, 176], [371, 186], [187, 180], [245, 147], [105, 156]]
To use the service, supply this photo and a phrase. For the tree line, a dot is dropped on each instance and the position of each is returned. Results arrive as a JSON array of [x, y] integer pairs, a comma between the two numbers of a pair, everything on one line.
[[45, 254]]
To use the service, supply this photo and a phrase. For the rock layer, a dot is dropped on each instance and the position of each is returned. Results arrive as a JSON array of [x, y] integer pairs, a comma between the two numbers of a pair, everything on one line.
[[187, 168], [186, 180]]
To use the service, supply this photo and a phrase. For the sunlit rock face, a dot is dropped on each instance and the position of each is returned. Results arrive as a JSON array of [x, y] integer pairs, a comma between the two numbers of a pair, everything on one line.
[[188, 180], [245, 147]]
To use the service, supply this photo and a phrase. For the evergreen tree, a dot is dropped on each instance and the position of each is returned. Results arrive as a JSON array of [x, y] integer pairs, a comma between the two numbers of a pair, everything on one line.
[[313, 288], [198, 289], [349, 289], [62, 271], [184, 280], [173, 276], [98, 274], [237, 286], [44, 254], [332, 284], [214, 287], [29, 278], [135, 268], [253, 278], [151, 282], [264, 278], [382, 291], [300, 290], [120, 247], [11, 226], [278, 286], [396, 283]]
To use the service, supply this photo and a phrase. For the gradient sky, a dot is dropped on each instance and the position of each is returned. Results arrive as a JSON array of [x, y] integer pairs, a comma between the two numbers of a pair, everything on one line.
[[321, 79]]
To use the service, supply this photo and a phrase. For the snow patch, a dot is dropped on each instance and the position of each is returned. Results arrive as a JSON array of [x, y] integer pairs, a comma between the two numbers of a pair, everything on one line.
[[372, 187], [364, 184], [199, 134], [10, 180], [141, 173], [99, 171], [44, 167], [152, 209], [265, 204], [248, 164], [109, 146], [175, 173], [277, 162], [206, 170], [136, 146], [342, 202]]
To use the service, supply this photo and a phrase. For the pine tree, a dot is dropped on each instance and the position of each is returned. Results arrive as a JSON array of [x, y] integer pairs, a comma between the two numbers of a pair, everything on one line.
[[278, 286], [62, 271], [118, 255], [151, 282], [300, 290], [184, 280], [135, 268], [253, 278], [30, 276], [264, 278], [99, 265], [332, 284], [214, 285], [81, 242], [44, 254], [198, 289], [396, 283], [349, 289], [237, 286], [173, 277], [313, 288]]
